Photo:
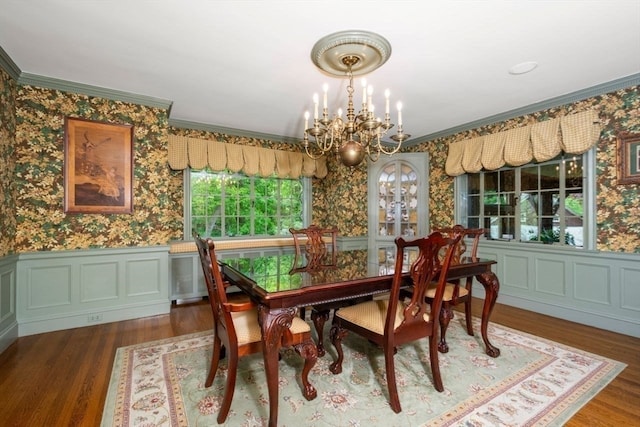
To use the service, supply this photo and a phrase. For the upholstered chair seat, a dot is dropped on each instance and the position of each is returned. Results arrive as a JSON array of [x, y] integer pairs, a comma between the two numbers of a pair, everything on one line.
[[372, 315], [248, 329]]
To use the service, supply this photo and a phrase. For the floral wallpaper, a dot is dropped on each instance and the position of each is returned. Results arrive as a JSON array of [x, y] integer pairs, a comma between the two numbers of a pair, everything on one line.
[[8, 88], [618, 206], [343, 199], [42, 224], [32, 189]]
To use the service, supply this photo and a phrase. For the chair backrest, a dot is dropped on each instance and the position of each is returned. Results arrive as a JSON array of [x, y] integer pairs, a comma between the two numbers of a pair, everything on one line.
[[459, 230], [215, 284], [320, 245], [424, 270]]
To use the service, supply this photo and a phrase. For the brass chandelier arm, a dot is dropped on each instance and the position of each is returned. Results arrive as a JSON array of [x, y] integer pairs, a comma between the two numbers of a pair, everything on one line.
[[381, 149], [313, 156]]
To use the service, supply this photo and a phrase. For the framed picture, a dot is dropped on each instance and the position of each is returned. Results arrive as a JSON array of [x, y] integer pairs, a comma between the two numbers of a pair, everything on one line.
[[98, 167], [628, 158]]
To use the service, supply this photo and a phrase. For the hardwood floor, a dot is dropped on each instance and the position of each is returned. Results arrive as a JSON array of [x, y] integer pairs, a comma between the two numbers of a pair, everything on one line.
[[61, 378]]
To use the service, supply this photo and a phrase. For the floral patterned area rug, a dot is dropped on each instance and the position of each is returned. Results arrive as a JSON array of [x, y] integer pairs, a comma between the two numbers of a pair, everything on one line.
[[533, 382]]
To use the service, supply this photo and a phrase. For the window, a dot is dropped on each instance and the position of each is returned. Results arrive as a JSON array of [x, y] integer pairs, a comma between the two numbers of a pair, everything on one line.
[[222, 204], [545, 203]]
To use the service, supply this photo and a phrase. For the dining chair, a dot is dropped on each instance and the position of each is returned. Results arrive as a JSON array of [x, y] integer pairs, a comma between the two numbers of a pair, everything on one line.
[[394, 321], [455, 293], [316, 248], [237, 330]]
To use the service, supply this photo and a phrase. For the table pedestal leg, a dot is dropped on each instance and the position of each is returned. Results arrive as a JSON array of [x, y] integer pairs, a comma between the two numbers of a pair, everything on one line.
[[491, 286]]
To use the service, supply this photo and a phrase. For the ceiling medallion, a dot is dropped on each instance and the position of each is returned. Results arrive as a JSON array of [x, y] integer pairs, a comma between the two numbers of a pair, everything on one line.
[[370, 49]]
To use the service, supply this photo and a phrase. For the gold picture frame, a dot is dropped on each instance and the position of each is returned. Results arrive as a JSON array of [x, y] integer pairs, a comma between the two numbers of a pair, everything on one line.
[[628, 158], [98, 167]]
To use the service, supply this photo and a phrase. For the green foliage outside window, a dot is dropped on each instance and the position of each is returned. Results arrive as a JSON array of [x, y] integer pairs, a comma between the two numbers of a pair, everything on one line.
[[231, 205], [549, 236], [574, 205]]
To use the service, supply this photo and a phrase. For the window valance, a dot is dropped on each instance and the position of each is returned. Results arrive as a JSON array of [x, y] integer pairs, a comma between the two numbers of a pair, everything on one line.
[[218, 156], [573, 134]]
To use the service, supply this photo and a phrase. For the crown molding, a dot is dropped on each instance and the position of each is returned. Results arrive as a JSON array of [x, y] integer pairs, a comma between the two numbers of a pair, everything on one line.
[[83, 89], [184, 124], [57, 84], [612, 86], [7, 64]]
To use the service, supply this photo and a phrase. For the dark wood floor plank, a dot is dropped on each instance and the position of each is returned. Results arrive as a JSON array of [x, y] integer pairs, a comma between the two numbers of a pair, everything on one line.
[[61, 378]]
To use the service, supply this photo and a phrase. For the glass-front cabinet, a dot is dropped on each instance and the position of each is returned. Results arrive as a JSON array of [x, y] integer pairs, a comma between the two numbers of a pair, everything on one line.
[[398, 203]]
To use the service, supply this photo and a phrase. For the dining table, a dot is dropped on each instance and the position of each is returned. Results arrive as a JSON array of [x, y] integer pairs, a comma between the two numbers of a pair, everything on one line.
[[281, 284]]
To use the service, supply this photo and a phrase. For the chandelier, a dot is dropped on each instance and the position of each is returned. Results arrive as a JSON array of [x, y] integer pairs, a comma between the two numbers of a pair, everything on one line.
[[357, 135]]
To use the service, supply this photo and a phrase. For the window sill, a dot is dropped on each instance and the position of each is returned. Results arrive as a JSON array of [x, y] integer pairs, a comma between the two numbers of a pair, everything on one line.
[[190, 246]]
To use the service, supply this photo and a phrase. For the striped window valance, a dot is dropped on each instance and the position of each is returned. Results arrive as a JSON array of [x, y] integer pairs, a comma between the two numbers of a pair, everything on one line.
[[573, 134], [218, 156]]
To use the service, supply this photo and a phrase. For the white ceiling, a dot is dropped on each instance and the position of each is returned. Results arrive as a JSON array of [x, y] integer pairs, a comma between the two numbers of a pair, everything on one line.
[[246, 64]]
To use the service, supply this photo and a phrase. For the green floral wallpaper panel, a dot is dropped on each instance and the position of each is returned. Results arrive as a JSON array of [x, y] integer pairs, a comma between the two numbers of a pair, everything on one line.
[[42, 224], [344, 201], [8, 91]]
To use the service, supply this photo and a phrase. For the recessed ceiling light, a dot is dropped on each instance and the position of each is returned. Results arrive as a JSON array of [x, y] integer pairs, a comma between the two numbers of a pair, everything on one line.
[[523, 67]]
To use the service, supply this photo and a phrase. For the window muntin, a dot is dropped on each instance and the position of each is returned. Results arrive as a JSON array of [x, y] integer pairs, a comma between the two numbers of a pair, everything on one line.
[[533, 203], [223, 204]]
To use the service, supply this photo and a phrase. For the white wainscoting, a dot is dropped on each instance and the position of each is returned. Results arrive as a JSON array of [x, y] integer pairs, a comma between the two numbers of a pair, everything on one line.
[[68, 289], [600, 289]]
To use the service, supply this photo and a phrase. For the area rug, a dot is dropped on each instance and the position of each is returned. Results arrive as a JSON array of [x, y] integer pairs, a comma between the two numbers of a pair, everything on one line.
[[533, 382]]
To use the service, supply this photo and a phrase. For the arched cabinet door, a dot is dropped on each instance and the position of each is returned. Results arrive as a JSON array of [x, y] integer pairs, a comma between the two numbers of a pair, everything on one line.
[[398, 203]]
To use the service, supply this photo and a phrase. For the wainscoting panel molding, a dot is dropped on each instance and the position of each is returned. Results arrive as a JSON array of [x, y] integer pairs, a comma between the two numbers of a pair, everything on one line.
[[96, 281], [47, 291], [68, 289], [599, 276], [143, 278], [513, 268], [547, 272], [629, 279], [600, 289], [48, 287], [8, 317]]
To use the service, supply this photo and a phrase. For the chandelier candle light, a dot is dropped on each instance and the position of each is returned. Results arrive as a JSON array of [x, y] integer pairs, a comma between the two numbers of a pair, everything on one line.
[[357, 135]]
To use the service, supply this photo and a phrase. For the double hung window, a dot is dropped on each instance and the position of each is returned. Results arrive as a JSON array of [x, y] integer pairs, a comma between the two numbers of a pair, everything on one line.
[[223, 204]]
